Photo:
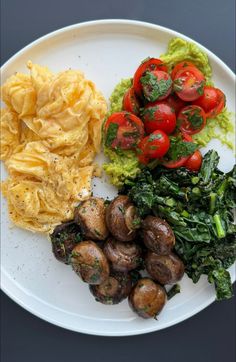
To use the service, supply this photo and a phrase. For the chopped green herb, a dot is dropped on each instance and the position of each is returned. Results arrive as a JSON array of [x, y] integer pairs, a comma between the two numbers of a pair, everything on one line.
[[154, 136], [200, 90], [194, 117], [178, 85], [154, 88], [97, 232], [136, 222], [150, 112], [122, 210], [111, 133], [179, 148]]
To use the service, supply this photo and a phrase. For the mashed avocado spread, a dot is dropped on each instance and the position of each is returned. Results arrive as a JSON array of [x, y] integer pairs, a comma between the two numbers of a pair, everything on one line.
[[124, 164], [180, 49]]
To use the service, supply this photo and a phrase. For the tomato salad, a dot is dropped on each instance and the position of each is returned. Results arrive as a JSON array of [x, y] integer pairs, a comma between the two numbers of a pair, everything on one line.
[[161, 111]]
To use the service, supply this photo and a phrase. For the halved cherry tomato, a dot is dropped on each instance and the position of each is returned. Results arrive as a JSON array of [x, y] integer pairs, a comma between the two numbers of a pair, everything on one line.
[[181, 161], [194, 162], [159, 115], [148, 64], [175, 102], [153, 146], [191, 119], [142, 156], [212, 101], [156, 85], [131, 102], [123, 130], [188, 84], [180, 66]]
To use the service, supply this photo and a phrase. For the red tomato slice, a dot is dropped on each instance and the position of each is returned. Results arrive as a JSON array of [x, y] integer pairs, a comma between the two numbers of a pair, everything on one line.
[[123, 130], [194, 162], [188, 84], [156, 85], [212, 101], [131, 102], [191, 119], [175, 102], [153, 146], [159, 115], [148, 64], [181, 162], [180, 66]]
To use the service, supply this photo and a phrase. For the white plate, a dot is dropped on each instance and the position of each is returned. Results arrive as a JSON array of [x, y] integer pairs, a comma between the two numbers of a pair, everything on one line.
[[106, 51]]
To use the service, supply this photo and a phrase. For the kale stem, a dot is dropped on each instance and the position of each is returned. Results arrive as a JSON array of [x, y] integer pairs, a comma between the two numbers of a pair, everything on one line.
[[222, 188], [173, 291], [219, 227], [212, 202]]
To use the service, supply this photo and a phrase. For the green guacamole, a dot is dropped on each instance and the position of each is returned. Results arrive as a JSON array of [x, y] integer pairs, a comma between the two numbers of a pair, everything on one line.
[[124, 164], [179, 50]]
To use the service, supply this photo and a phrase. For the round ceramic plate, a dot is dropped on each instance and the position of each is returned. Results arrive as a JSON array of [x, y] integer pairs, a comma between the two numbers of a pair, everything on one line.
[[105, 51]]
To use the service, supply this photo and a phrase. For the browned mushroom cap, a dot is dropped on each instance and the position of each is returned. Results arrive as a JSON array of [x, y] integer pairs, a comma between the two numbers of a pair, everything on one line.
[[121, 218], [90, 215], [123, 256], [89, 262], [147, 298], [114, 289], [158, 235], [64, 238], [166, 269]]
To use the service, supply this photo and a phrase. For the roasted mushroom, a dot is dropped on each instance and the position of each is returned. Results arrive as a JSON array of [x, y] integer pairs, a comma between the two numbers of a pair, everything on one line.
[[90, 215], [89, 262], [158, 235], [166, 269], [147, 298], [114, 289], [64, 238], [123, 256], [122, 219]]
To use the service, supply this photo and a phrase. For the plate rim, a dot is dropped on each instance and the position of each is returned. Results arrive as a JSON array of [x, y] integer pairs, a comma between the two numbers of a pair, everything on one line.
[[36, 42]]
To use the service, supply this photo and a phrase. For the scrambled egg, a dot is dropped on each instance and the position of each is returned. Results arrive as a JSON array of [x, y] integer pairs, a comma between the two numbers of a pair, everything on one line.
[[50, 134]]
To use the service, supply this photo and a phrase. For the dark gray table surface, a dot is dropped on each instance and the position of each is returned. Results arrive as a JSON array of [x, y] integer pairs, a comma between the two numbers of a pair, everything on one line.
[[210, 335]]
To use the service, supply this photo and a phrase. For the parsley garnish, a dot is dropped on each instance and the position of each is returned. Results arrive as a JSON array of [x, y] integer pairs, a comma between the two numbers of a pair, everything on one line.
[[150, 112], [154, 137], [179, 148], [178, 85], [194, 117], [154, 88], [122, 210], [111, 133], [97, 232], [200, 90]]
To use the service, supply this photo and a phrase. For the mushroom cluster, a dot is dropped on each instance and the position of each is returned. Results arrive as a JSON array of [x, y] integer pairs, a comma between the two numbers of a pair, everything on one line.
[[107, 244]]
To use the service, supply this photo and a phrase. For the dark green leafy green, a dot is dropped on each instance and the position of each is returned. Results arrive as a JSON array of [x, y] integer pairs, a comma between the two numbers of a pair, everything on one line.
[[199, 208], [221, 278], [173, 291]]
